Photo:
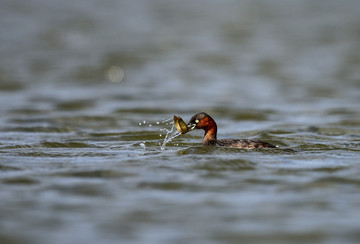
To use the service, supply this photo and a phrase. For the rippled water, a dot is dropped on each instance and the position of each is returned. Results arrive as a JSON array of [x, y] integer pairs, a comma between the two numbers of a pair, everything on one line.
[[79, 78]]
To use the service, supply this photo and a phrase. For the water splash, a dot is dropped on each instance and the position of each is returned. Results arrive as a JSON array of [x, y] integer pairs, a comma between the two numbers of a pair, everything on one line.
[[170, 134]]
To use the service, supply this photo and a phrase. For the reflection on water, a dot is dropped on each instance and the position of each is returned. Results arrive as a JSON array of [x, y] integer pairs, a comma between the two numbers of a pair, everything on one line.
[[77, 78]]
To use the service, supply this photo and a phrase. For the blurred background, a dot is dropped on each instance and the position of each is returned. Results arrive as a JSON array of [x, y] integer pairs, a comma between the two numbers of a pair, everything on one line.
[[240, 53], [84, 86]]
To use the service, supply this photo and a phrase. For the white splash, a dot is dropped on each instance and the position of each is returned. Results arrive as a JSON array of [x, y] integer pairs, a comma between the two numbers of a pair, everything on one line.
[[170, 134]]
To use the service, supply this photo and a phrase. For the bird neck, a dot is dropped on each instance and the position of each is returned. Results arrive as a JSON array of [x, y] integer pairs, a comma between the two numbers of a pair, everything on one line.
[[210, 132]]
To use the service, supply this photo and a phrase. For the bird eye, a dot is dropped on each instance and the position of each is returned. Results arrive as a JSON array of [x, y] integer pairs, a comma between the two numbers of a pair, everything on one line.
[[197, 121]]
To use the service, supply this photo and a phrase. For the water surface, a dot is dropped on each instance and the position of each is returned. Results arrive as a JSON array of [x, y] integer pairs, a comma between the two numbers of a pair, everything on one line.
[[78, 79]]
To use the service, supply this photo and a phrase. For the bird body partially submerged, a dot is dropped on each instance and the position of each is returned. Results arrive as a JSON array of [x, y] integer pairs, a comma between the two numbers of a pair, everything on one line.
[[204, 121]]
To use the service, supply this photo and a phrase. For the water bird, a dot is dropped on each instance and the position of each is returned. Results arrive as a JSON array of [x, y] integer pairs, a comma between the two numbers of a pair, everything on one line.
[[207, 123]]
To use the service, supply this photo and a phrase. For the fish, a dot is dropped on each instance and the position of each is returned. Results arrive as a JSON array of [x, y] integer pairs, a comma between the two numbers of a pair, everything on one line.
[[181, 125]]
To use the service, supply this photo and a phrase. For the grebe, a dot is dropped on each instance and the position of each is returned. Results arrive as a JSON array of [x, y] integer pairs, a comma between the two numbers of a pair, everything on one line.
[[208, 124]]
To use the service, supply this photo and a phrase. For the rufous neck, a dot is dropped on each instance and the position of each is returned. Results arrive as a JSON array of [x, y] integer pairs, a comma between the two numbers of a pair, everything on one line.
[[210, 132]]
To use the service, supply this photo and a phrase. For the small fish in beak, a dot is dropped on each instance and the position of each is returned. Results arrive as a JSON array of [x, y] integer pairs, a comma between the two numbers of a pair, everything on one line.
[[181, 125]]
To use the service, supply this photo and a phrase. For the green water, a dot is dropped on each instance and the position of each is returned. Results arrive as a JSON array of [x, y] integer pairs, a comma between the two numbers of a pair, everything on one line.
[[78, 164]]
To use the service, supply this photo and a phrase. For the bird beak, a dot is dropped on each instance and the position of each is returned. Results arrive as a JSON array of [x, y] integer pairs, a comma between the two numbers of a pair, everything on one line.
[[191, 126]]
